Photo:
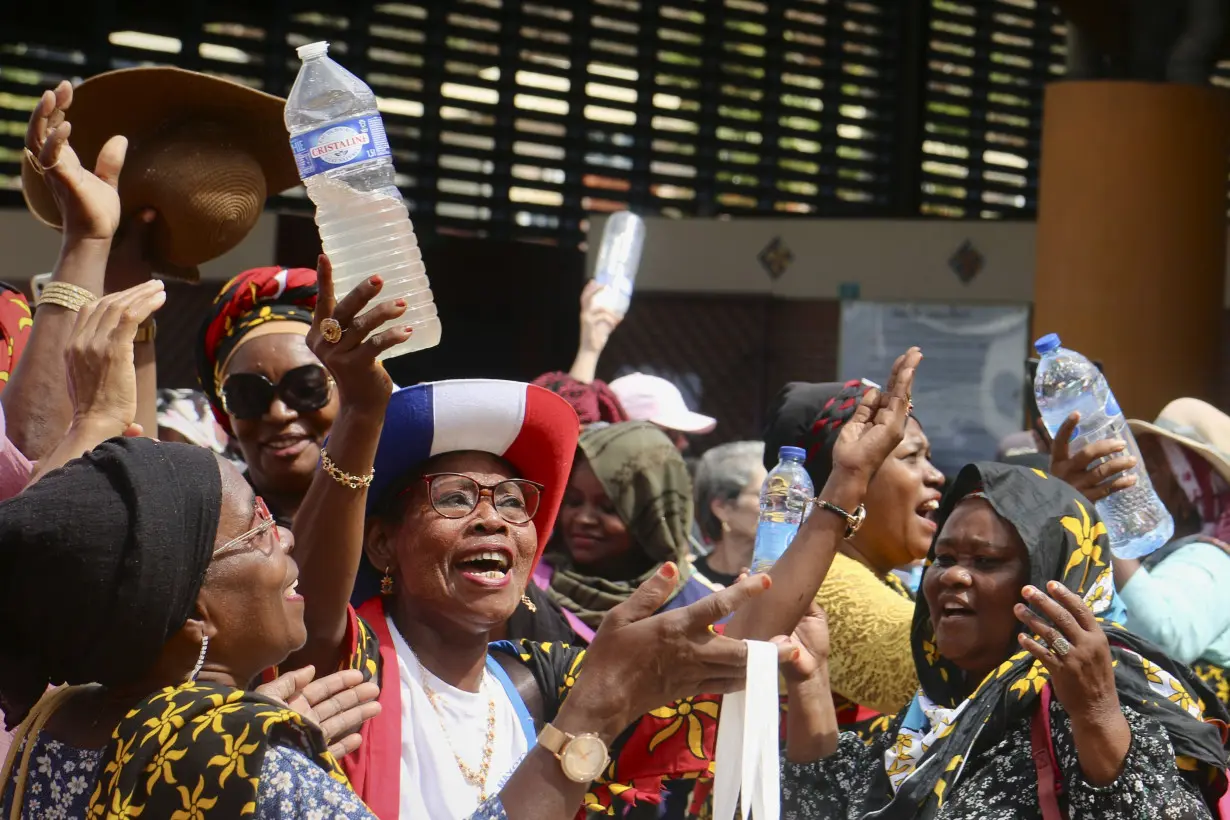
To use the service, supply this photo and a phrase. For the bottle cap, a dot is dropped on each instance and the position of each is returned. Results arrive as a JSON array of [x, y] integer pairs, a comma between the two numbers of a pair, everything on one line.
[[792, 452], [1047, 343], [312, 50]]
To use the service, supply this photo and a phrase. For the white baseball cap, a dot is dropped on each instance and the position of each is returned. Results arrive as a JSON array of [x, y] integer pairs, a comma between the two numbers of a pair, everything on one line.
[[656, 400]]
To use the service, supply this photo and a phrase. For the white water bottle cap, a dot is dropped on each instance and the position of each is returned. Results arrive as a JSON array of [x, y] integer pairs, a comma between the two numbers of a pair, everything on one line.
[[312, 50]]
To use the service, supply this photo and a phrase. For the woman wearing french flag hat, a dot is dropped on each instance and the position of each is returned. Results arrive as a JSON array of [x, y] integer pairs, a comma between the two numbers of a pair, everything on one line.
[[451, 490]]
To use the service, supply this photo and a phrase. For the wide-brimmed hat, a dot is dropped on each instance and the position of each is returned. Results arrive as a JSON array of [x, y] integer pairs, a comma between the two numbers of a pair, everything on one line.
[[530, 427], [658, 401], [1196, 425], [203, 152]]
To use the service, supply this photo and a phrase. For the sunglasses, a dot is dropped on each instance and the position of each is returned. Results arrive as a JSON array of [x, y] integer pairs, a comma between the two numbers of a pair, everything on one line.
[[266, 523], [305, 389], [453, 495]]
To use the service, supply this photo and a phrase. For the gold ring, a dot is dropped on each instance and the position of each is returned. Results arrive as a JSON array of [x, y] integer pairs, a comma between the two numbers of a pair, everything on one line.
[[909, 402], [1060, 645], [331, 329], [38, 167]]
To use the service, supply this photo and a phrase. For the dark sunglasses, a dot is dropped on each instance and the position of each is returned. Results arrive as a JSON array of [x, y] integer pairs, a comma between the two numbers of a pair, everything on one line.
[[305, 389]]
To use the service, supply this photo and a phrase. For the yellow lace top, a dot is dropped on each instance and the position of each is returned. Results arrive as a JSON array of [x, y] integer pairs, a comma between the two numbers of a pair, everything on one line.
[[870, 662]]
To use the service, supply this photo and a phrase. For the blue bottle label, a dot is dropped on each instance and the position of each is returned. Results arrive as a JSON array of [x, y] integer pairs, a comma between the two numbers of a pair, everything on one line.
[[339, 145], [1112, 405]]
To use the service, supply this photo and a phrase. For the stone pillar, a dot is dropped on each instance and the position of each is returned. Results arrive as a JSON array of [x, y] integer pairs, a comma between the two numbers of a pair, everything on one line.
[[1131, 239]]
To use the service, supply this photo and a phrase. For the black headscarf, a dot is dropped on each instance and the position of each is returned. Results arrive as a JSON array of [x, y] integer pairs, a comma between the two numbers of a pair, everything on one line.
[[810, 416], [1066, 542], [101, 562]]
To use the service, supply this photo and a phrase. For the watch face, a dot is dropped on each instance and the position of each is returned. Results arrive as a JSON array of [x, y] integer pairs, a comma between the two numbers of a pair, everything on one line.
[[584, 758]]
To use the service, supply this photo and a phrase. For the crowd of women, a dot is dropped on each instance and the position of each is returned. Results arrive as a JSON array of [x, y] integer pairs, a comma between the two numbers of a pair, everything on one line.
[[313, 594]]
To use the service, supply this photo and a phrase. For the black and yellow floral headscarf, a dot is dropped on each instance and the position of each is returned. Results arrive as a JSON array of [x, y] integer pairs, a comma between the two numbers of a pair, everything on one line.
[[195, 751], [1066, 542]]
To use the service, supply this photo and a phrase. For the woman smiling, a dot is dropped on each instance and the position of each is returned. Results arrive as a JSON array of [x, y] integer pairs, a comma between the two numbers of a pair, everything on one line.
[[1030, 703]]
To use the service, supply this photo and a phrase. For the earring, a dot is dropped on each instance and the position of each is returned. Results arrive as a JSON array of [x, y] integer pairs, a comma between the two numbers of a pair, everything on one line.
[[200, 660], [725, 527], [530, 605], [386, 583]]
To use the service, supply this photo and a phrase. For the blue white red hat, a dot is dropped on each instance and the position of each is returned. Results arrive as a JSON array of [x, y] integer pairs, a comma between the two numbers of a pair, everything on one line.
[[530, 427]]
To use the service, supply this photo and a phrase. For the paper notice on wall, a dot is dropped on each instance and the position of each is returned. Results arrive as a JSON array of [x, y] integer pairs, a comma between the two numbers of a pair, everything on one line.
[[969, 391]]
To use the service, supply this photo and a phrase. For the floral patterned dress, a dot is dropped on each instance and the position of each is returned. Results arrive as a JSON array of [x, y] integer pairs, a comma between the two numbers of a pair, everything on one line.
[[61, 779], [1001, 783]]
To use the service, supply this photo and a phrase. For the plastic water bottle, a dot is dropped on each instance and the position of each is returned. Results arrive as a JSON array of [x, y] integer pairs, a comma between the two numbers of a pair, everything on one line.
[[784, 499], [619, 257], [1136, 520], [344, 160]]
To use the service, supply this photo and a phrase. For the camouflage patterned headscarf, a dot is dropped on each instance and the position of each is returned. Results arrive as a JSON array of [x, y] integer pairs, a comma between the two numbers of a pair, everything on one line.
[[648, 483]]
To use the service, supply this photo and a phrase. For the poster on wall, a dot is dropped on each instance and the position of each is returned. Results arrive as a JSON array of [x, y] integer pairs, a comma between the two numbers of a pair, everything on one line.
[[970, 390]]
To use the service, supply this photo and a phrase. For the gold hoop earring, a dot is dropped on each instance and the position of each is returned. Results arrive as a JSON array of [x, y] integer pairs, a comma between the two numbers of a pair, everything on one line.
[[386, 583]]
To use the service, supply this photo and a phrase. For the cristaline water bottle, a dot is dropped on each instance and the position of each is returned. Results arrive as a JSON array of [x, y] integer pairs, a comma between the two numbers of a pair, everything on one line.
[[344, 160], [619, 257], [784, 497], [1136, 520]]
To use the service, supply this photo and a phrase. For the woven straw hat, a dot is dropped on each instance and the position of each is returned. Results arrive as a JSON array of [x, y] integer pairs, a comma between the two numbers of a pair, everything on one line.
[[1196, 425], [203, 152]]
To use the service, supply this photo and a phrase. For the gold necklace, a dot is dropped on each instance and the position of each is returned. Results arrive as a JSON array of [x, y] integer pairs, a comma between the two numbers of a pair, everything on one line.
[[476, 779]]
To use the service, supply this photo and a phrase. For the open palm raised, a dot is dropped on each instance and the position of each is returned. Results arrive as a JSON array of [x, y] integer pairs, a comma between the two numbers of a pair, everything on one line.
[[89, 203], [878, 425]]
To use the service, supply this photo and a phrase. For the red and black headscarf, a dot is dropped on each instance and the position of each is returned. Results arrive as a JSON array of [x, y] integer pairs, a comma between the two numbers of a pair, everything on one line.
[[810, 416], [254, 299], [594, 402], [15, 323]]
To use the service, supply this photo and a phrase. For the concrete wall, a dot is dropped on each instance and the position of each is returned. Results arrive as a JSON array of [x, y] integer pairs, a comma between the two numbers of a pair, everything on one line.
[[906, 260]]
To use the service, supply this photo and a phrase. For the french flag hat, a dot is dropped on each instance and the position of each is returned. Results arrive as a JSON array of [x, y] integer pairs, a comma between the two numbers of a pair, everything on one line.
[[530, 427]]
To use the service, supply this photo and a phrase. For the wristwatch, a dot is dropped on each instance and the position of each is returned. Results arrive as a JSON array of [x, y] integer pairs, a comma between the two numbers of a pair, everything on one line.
[[582, 757], [147, 331], [854, 520]]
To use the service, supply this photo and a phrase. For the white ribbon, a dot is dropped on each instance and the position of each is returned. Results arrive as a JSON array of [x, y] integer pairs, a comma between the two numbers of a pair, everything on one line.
[[748, 763]]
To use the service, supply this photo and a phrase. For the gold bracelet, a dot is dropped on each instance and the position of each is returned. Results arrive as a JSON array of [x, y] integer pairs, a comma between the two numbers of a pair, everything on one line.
[[70, 297], [354, 482]]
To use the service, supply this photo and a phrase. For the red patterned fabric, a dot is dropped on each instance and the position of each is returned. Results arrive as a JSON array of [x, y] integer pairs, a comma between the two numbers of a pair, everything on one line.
[[15, 323], [594, 402], [252, 298]]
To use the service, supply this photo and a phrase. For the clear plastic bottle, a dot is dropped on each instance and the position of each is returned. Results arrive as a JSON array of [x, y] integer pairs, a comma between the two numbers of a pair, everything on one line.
[[1136, 520], [785, 497], [619, 257], [343, 155]]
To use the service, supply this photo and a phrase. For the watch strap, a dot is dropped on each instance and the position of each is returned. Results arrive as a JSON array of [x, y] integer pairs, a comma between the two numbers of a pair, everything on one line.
[[553, 740], [853, 520]]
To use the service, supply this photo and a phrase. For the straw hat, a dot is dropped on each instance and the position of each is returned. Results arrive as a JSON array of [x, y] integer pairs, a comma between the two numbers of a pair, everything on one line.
[[1196, 425], [204, 152]]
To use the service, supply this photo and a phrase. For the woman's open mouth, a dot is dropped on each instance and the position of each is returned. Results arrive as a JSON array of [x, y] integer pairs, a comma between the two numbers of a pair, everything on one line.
[[490, 568], [292, 592], [287, 446], [926, 511]]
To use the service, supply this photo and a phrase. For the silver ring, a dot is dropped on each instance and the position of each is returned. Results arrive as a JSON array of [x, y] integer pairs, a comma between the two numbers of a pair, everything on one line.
[[1060, 645]]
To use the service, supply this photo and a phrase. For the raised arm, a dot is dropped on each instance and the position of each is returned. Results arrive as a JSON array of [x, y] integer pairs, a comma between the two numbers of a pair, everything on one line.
[[35, 406], [329, 524], [101, 384], [597, 324], [871, 434]]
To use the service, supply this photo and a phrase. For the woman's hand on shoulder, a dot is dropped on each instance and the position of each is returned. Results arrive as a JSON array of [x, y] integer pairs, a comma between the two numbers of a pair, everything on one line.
[[337, 704], [362, 381]]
